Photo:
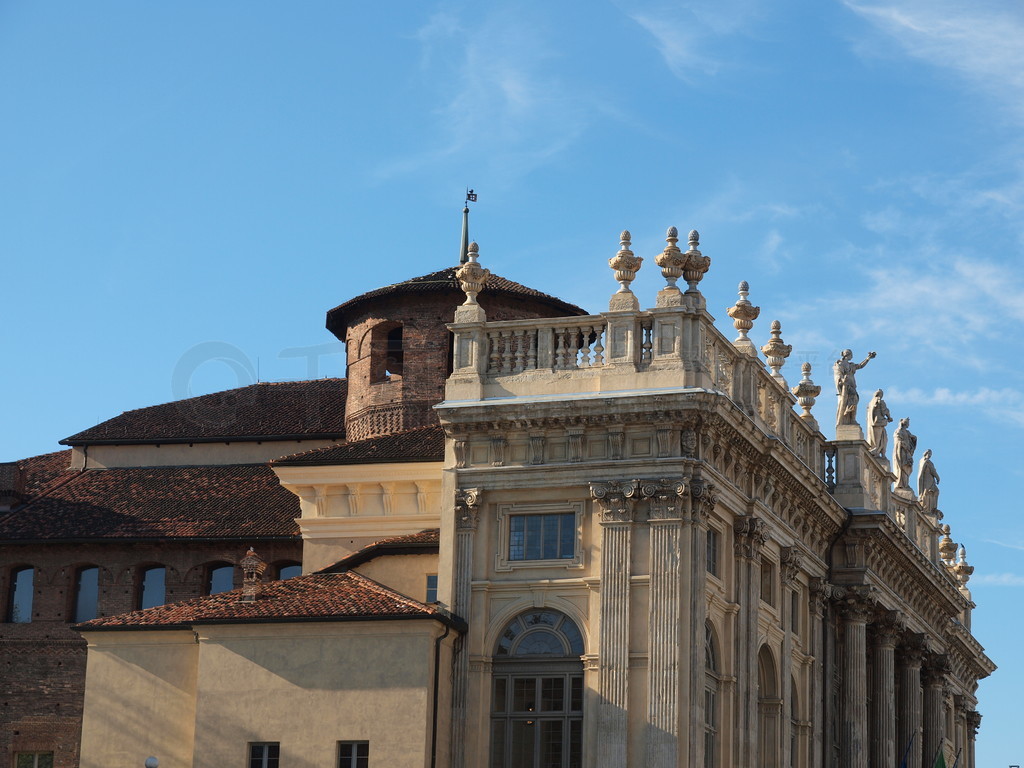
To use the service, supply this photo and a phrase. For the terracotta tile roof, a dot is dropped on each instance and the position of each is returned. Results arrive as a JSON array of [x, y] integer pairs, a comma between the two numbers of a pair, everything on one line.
[[291, 409], [423, 543], [444, 281], [313, 597], [234, 501], [420, 444], [28, 477]]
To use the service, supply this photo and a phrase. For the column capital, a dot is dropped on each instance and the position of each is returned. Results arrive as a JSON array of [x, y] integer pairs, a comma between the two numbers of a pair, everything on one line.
[[467, 508], [665, 497], [822, 593], [912, 650], [751, 534], [973, 723], [857, 604], [704, 495], [792, 563], [887, 627], [617, 499], [935, 669]]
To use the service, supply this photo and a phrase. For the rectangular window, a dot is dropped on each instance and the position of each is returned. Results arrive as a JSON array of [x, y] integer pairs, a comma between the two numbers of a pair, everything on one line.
[[712, 551], [353, 754], [542, 537], [431, 588], [767, 582], [794, 612], [19, 599], [34, 760], [264, 754]]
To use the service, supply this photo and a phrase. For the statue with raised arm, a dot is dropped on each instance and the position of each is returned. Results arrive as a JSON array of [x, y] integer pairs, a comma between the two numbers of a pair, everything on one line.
[[878, 419], [928, 484], [904, 443], [846, 386]]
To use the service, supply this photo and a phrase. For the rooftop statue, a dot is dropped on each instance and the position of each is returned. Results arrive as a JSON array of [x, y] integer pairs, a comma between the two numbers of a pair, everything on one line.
[[846, 386], [904, 442], [878, 419], [928, 484]]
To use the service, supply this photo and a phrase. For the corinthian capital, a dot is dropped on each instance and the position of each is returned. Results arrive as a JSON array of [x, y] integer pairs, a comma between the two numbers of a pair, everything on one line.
[[616, 499], [751, 535], [467, 508], [792, 564]]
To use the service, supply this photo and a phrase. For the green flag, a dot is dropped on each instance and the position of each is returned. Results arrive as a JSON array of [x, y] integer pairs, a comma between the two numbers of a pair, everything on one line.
[[940, 759]]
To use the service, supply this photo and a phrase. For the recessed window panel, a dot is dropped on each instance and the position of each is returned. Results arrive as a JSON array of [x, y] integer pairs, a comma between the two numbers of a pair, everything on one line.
[[152, 589], [19, 602]]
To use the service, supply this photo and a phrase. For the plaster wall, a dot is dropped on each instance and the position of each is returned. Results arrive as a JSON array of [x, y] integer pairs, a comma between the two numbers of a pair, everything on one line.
[[140, 700], [403, 573], [191, 454]]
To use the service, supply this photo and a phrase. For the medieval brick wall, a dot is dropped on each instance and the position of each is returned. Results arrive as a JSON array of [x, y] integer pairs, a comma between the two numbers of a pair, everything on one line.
[[42, 662]]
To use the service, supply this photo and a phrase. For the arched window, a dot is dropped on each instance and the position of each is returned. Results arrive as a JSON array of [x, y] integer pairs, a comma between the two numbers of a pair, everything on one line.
[[387, 352], [769, 709], [220, 577], [19, 597], [537, 693], [87, 593], [711, 674], [287, 569], [152, 587], [795, 731]]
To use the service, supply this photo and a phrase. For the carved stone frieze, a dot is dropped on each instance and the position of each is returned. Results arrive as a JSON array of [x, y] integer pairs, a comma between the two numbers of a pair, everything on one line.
[[576, 444], [498, 446], [467, 508], [460, 453], [688, 442], [537, 448], [616, 499], [665, 498], [616, 442], [751, 535]]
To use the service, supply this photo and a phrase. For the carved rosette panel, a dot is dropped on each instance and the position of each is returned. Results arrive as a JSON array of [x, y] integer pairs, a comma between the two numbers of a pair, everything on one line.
[[792, 562], [616, 499], [665, 498], [467, 508], [751, 535]]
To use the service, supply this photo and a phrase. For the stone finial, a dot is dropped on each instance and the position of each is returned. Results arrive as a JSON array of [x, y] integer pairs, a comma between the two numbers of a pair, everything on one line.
[[696, 263], [671, 260], [776, 350], [472, 276], [743, 315], [252, 575], [626, 265], [947, 547], [962, 571], [806, 391]]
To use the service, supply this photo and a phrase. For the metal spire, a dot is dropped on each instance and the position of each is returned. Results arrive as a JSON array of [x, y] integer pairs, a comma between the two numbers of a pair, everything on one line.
[[464, 250]]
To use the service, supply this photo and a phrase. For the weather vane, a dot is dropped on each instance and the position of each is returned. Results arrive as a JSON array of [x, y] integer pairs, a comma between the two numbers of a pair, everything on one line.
[[470, 195]]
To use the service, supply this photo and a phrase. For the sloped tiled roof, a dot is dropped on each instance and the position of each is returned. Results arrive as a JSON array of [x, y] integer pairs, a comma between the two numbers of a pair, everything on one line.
[[233, 501], [38, 472], [445, 281], [264, 411], [420, 444], [313, 597], [421, 543]]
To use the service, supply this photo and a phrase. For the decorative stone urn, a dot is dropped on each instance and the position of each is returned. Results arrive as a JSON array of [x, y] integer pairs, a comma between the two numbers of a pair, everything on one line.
[[626, 265], [472, 276], [671, 260], [777, 351], [806, 391], [743, 315], [697, 264]]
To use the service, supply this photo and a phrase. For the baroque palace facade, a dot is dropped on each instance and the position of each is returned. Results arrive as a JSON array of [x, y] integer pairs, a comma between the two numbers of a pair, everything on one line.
[[552, 538]]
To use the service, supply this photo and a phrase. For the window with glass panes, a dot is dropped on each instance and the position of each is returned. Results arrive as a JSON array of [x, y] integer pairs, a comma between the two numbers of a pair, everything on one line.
[[353, 754], [264, 754], [431, 588], [34, 760], [537, 693], [712, 552], [542, 537]]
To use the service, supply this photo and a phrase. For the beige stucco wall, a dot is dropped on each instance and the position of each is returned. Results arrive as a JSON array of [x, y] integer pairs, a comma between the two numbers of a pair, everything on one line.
[[186, 454], [139, 698], [403, 573]]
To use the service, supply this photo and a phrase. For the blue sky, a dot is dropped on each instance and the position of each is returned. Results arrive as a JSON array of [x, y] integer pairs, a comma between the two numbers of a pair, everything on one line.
[[187, 173]]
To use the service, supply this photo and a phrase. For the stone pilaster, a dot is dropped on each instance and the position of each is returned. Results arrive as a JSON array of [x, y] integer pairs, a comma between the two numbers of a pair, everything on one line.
[[886, 630], [853, 733], [973, 724], [751, 534], [792, 562], [934, 678], [666, 499], [908, 739], [821, 595], [702, 504], [616, 501], [467, 511]]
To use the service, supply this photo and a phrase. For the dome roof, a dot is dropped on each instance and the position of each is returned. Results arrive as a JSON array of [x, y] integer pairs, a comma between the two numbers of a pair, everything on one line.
[[443, 281]]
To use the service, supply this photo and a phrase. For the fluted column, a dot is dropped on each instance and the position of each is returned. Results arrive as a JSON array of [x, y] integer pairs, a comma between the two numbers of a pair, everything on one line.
[[467, 511], [702, 503], [751, 534], [909, 673], [616, 501], [792, 563], [855, 613], [973, 724], [821, 593], [883, 700], [934, 678], [663, 691]]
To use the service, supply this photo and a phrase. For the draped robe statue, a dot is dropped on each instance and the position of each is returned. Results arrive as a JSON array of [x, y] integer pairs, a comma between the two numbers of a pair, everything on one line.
[[904, 443], [928, 484], [878, 419], [844, 371]]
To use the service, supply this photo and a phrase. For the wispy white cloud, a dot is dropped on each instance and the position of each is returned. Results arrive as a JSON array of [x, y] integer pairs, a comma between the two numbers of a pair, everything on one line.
[[497, 103], [1005, 544], [1004, 404], [999, 579], [980, 40]]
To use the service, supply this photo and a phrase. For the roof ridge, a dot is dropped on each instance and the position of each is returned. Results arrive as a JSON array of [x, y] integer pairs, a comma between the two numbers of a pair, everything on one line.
[[386, 590]]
